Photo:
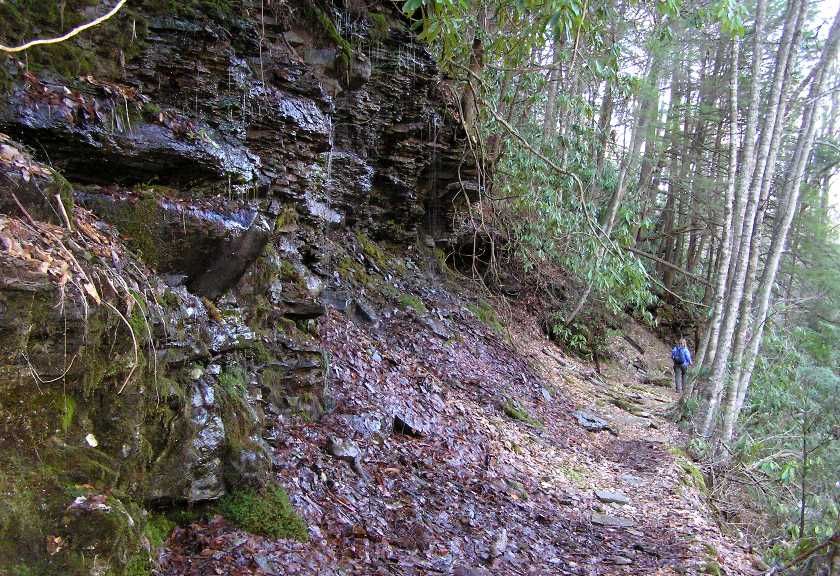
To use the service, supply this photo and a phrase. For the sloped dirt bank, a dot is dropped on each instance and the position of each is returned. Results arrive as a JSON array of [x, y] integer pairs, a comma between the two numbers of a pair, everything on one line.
[[471, 461]]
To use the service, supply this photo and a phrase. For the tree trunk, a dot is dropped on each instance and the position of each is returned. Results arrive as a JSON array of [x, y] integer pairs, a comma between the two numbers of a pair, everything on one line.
[[721, 365], [550, 119], [726, 242], [764, 173], [789, 201], [706, 351]]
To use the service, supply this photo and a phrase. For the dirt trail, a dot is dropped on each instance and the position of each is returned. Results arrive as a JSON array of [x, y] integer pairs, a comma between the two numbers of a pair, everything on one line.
[[472, 462]]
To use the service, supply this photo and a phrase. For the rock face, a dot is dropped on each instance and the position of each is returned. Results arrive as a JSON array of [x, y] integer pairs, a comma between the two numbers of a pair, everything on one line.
[[161, 281]]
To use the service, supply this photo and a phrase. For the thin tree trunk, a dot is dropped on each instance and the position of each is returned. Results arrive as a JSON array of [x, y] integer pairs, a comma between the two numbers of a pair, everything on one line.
[[770, 141], [550, 119], [604, 122], [791, 196], [726, 243], [721, 366], [706, 351]]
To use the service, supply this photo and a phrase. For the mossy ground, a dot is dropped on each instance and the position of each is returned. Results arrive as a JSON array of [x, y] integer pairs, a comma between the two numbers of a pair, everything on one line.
[[517, 412], [485, 312], [413, 302], [268, 512], [372, 251]]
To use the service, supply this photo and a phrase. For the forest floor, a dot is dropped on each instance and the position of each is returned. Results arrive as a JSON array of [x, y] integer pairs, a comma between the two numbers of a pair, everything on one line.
[[472, 461]]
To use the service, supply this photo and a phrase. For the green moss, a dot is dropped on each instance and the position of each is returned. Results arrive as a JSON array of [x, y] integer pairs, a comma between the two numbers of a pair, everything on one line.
[[574, 475], [693, 476], [139, 222], [262, 355], [484, 312], [139, 324], [157, 530], [287, 220], [517, 412], [268, 512], [68, 414], [232, 383], [169, 299], [370, 249], [413, 302], [344, 46], [64, 189], [380, 26], [151, 111], [222, 11], [440, 258], [351, 270], [286, 326], [138, 565], [289, 273]]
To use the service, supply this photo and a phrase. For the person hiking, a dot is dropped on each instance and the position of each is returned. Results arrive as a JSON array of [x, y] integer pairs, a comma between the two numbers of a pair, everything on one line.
[[682, 360]]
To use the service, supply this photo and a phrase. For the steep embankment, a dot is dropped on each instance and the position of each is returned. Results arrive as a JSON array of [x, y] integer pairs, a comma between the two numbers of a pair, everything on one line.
[[470, 459], [195, 307]]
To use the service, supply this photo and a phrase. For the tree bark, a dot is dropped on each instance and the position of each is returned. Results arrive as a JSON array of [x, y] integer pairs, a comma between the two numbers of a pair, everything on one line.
[[726, 243], [763, 176], [749, 198], [790, 199], [550, 119]]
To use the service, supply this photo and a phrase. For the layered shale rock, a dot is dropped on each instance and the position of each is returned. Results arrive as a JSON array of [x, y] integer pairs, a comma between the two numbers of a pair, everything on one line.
[[169, 184]]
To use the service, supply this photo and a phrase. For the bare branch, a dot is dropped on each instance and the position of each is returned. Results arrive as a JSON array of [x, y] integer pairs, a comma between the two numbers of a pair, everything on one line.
[[73, 32]]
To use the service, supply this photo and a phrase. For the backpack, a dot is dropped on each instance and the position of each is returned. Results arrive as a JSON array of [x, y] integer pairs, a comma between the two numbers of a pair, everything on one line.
[[677, 354]]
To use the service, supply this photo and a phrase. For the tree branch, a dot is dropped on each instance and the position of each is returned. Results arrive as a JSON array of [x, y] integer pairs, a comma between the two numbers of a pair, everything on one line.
[[682, 271], [73, 32]]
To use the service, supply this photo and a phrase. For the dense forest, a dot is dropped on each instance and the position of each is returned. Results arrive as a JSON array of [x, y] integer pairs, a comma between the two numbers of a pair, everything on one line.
[[241, 239], [682, 152]]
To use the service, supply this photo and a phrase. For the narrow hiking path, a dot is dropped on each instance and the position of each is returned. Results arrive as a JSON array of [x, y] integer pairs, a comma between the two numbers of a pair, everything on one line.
[[665, 491], [455, 449]]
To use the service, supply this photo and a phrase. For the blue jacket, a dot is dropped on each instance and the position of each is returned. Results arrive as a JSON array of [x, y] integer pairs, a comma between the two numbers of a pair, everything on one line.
[[681, 355]]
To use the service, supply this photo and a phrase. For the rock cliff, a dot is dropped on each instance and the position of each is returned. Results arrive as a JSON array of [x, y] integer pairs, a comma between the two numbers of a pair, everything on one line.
[[182, 192]]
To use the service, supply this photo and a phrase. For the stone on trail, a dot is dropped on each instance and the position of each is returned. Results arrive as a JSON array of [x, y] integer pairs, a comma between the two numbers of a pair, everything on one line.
[[500, 544], [634, 481], [621, 560], [612, 521], [343, 449], [610, 497], [404, 423], [627, 420], [590, 422]]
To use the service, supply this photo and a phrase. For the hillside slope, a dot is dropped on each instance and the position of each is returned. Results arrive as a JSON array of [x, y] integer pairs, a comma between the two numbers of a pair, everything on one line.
[[471, 460]]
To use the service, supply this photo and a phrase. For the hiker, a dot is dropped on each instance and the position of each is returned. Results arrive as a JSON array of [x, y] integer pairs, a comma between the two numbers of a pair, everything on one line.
[[682, 360]]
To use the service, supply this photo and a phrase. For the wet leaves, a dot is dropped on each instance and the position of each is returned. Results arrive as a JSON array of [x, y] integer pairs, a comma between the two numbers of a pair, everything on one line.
[[477, 492]]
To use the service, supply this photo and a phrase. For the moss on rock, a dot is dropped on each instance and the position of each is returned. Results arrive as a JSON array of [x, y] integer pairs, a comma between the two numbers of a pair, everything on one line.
[[517, 412], [268, 512], [413, 302]]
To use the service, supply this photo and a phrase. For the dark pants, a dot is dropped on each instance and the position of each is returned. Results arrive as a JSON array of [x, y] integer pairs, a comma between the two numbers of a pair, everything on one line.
[[679, 376]]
